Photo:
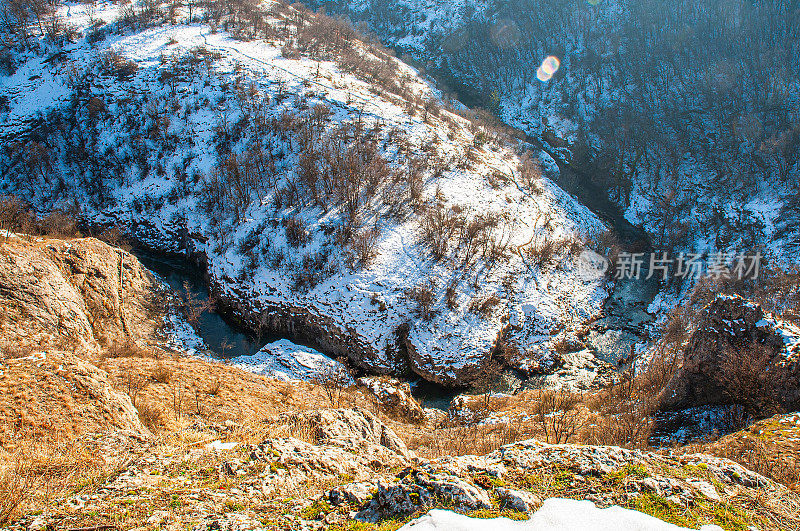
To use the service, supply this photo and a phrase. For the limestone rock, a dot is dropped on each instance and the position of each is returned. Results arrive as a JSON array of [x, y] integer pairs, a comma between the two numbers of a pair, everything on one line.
[[78, 292], [519, 500], [352, 493], [417, 490], [294, 462], [349, 428], [395, 396]]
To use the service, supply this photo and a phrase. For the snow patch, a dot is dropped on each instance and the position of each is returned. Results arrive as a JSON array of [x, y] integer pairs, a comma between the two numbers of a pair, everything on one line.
[[557, 514]]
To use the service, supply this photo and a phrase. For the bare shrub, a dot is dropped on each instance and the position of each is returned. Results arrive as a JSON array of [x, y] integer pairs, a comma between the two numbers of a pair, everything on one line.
[[363, 245], [451, 295], [626, 409], [484, 381], [542, 254], [756, 455], [192, 305], [558, 415], [214, 387], [476, 235], [13, 351], [452, 440], [439, 225], [15, 215], [484, 305], [423, 296], [161, 374], [530, 173], [95, 107], [334, 380], [296, 232], [312, 270], [745, 379], [58, 224], [114, 64], [151, 415], [127, 349], [16, 484]]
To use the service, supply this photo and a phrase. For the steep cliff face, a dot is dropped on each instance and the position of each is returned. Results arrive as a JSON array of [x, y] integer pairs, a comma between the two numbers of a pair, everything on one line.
[[739, 353], [77, 292]]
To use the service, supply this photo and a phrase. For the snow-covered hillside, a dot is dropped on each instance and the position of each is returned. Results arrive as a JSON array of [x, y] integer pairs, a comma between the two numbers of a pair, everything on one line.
[[335, 201], [684, 113]]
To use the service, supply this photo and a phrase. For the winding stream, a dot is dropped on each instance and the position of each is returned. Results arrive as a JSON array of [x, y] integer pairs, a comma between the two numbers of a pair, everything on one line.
[[222, 338], [225, 340]]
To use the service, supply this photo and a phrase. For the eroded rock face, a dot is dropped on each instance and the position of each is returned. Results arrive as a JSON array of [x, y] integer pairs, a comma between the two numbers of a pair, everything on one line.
[[77, 292], [62, 301], [728, 325]]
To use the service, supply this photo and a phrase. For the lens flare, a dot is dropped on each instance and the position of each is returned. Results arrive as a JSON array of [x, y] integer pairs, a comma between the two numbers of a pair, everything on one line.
[[548, 67], [542, 76]]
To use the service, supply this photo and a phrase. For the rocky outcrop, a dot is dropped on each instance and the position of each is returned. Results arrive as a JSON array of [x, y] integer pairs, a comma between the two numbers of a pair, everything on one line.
[[395, 396], [76, 292], [606, 475], [288, 483], [55, 395], [738, 344], [61, 303], [354, 429]]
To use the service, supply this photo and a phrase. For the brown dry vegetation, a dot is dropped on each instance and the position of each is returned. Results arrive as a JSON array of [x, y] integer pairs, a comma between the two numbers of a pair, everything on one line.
[[203, 401], [770, 447]]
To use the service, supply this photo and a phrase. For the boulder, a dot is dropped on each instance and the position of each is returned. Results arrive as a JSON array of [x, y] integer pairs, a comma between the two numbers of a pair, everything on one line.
[[519, 500], [352, 493], [417, 490], [395, 396], [355, 429]]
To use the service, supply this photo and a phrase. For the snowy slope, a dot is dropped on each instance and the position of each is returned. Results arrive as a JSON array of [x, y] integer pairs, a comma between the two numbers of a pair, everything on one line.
[[158, 134], [713, 146], [283, 360]]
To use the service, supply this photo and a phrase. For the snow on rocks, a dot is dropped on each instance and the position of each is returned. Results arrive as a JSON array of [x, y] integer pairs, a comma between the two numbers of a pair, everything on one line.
[[556, 514], [285, 360]]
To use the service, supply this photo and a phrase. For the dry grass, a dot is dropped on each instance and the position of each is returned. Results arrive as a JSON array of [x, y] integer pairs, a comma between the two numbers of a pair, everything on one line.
[[454, 440], [38, 472], [488, 422], [16, 485], [770, 447]]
